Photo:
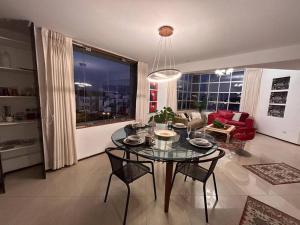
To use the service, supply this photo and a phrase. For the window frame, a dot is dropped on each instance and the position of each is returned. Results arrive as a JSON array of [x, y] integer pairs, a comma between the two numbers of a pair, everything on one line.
[[208, 92], [133, 83]]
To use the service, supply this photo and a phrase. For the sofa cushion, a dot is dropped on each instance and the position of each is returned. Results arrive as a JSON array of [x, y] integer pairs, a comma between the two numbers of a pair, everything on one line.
[[244, 116], [236, 116], [226, 114], [236, 123], [195, 115]]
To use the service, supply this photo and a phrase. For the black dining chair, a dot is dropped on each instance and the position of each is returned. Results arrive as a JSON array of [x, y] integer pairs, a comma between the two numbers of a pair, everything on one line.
[[127, 170], [197, 172]]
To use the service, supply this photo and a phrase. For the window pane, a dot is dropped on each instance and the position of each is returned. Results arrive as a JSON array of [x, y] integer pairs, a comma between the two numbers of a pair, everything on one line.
[[235, 97], [204, 78], [238, 76], [213, 87], [213, 97], [104, 87], [203, 87], [179, 96], [222, 106], [236, 87], [194, 96], [180, 85], [225, 78], [214, 78], [195, 87], [234, 107], [223, 97], [178, 105], [203, 97], [196, 79], [224, 87], [211, 106]]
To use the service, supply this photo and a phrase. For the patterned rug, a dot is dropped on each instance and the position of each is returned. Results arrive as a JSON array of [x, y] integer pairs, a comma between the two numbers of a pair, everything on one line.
[[275, 173], [258, 213]]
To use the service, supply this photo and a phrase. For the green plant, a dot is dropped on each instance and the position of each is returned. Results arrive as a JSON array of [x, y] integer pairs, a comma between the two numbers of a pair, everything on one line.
[[218, 124], [199, 105], [163, 115]]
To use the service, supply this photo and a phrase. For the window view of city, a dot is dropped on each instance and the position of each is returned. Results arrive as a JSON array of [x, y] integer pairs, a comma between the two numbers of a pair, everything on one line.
[[104, 88], [214, 92]]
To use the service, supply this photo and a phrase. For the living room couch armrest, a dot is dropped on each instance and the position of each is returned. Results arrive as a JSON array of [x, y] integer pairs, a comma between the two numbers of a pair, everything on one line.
[[178, 119], [212, 117], [249, 122]]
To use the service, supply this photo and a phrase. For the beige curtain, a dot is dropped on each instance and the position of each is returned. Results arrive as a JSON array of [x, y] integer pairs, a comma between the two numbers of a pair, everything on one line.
[[251, 88], [142, 93], [172, 95], [56, 80]]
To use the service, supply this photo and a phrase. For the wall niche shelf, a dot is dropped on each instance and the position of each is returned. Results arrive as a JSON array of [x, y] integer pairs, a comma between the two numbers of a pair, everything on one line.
[[19, 99], [17, 122], [14, 69]]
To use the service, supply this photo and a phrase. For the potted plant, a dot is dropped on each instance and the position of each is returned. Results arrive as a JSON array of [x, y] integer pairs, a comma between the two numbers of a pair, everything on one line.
[[163, 116]]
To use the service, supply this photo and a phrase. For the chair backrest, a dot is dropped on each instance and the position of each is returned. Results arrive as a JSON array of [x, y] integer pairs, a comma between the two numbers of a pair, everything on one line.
[[213, 162], [116, 162]]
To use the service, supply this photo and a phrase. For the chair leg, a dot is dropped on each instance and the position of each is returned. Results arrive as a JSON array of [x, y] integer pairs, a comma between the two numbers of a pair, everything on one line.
[[185, 177], [127, 203], [216, 190], [107, 189], [154, 185], [205, 203]]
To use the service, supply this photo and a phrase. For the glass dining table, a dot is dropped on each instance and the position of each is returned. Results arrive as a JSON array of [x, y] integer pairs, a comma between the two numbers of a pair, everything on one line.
[[176, 149]]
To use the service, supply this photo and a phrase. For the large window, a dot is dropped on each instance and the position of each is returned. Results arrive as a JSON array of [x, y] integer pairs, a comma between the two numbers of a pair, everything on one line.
[[105, 87], [213, 91]]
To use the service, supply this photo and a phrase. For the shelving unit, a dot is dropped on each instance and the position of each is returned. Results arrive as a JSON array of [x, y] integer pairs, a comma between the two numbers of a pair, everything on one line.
[[19, 96]]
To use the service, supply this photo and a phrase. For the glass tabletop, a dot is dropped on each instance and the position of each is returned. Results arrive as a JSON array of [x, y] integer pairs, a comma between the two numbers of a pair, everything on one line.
[[175, 149]]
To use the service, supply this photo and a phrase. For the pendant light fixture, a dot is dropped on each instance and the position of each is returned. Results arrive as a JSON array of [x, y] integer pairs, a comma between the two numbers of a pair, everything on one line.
[[163, 68]]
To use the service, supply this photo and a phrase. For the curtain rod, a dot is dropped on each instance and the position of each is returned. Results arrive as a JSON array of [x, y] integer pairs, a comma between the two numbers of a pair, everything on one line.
[[91, 48]]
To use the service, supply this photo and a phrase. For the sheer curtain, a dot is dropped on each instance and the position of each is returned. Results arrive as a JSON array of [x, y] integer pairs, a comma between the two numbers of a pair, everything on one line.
[[56, 80], [251, 88], [172, 95], [142, 93]]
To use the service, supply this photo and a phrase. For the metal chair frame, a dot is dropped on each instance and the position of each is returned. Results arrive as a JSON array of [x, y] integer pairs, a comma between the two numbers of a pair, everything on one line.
[[123, 160], [209, 172]]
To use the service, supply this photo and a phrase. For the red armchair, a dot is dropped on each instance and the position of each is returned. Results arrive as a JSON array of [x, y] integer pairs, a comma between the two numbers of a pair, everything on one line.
[[244, 134], [226, 116]]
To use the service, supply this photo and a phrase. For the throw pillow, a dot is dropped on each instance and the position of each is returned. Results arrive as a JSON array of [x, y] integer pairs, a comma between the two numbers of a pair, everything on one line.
[[236, 116], [244, 116], [182, 115], [196, 115]]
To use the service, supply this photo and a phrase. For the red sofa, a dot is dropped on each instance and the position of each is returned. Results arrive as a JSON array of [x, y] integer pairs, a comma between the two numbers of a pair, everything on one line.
[[225, 116]]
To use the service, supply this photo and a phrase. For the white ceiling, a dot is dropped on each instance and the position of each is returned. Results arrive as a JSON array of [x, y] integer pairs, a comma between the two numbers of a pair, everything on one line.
[[204, 29]]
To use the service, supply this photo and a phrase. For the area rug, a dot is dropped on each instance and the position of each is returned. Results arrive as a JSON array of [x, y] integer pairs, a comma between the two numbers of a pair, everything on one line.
[[259, 213], [233, 145], [275, 173]]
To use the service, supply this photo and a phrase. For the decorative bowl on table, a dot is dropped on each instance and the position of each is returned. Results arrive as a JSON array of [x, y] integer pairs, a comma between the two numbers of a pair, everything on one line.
[[165, 134], [179, 125], [200, 142], [133, 140]]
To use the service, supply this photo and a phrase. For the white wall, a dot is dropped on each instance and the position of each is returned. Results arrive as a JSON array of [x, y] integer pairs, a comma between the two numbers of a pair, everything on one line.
[[244, 60], [287, 128], [162, 95], [93, 140]]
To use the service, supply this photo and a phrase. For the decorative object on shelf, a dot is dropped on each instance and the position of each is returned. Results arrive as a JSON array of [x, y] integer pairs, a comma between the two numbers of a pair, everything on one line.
[[164, 68], [163, 115], [278, 96], [281, 83], [276, 110]]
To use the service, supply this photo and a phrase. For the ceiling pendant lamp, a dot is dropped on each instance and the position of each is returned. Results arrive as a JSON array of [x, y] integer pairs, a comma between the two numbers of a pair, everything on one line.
[[163, 68]]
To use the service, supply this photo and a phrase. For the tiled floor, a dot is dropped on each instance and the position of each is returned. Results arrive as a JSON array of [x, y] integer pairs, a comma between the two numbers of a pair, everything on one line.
[[75, 195]]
